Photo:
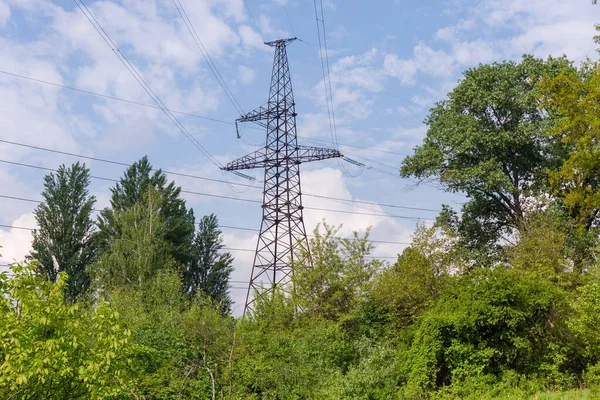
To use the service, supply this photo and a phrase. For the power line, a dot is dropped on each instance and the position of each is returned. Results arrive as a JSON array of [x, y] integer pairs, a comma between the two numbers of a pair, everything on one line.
[[136, 75], [234, 198], [222, 248], [189, 114], [287, 14], [329, 90], [257, 230], [205, 54], [253, 20], [356, 146], [3, 196], [104, 160], [107, 96]]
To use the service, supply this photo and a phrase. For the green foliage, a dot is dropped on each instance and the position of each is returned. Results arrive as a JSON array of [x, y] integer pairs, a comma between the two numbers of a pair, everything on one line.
[[281, 358], [489, 141], [183, 346], [209, 271], [331, 280], [52, 349], [489, 322], [586, 321], [543, 247], [63, 240], [374, 376], [575, 96], [140, 250], [501, 302], [178, 222], [410, 287]]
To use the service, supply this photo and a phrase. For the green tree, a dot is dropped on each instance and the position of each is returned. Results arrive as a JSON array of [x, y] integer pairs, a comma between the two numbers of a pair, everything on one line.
[[488, 140], [210, 270], [140, 251], [490, 322], [183, 344], [576, 96], [63, 241], [543, 247], [332, 279], [178, 222], [50, 349], [282, 355], [410, 287]]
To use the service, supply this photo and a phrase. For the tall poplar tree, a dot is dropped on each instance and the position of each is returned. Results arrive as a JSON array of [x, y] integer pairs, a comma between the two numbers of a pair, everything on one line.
[[63, 241], [210, 270]]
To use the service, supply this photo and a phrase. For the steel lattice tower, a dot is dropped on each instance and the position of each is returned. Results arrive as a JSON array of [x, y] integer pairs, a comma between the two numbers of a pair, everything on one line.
[[282, 228]]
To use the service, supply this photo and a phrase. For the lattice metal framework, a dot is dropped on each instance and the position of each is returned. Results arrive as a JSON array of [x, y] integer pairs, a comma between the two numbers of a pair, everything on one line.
[[282, 228]]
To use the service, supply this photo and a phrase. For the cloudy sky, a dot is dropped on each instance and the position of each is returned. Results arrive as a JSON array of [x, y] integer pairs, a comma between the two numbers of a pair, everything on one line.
[[390, 61]]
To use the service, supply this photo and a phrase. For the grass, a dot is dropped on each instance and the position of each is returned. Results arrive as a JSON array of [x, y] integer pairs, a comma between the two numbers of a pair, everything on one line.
[[586, 394]]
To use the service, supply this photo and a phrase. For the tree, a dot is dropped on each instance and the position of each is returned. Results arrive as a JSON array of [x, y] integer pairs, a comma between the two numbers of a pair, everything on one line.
[[178, 221], [411, 286], [488, 140], [183, 345], [140, 251], [487, 323], [210, 270], [50, 349], [575, 96], [332, 279], [63, 241]]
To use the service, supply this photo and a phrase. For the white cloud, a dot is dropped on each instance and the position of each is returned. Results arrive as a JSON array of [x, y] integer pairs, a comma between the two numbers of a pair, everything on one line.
[[4, 13], [246, 74], [425, 60], [250, 37], [16, 243]]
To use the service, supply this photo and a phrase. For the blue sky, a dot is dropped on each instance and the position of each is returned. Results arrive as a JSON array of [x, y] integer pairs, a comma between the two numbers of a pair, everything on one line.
[[390, 61]]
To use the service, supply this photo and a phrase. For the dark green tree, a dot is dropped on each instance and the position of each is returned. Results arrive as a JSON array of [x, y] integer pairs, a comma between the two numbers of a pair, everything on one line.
[[489, 140], [177, 220], [210, 270], [63, 241], [140, 252]]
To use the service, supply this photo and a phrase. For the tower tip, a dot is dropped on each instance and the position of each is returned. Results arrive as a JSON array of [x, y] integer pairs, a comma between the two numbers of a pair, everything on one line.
[[280, 42]]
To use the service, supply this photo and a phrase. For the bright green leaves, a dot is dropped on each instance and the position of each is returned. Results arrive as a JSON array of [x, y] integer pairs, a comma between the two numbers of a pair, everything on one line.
[[576, 97], [177, 230], [140, 250], [489, 322], [338, 277], [52, 348]]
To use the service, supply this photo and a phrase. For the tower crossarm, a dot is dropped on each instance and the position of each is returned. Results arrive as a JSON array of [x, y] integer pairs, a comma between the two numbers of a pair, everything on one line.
[[261, 158], [258, 115], [256, 159], [309, 153]]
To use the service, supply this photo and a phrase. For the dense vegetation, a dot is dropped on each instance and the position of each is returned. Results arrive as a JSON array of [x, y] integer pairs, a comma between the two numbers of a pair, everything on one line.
[[499, 300]]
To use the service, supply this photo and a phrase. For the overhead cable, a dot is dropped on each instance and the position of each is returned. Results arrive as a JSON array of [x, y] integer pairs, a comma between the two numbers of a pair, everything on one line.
[[189, 114], [234, 198], [222, 248], [192, 176], [138, 77], [3, 196]]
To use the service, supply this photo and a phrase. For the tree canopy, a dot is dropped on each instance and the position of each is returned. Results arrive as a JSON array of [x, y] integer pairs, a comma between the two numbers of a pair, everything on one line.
[[178, 221], [489, 140], [210, 269]]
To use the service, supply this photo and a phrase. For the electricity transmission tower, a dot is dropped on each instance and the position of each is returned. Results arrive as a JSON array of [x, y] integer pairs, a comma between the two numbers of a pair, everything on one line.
[[282, 228]]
